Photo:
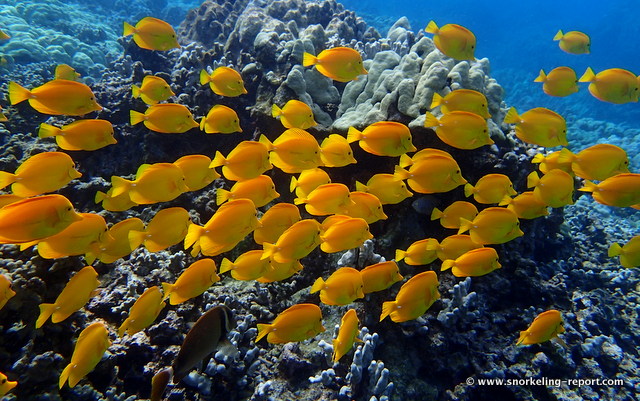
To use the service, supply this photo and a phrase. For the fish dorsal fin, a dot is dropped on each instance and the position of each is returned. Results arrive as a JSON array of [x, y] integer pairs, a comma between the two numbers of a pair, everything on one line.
[[293, 134], [142, 169]]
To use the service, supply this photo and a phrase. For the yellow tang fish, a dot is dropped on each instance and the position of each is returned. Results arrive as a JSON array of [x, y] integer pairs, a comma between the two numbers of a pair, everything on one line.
[[462, 100], [559, 82], [293, 151], [80, 288], [629, 253], [276, 221], [621, 190], [453, 40], [526, 206], [452, 247], [366, 206], [36, 218], [80, 135], [597, 162], [384, 138], [473, 263], [295, 243], [152, 34], [347, 335], [460, 129], [261, 190], [224, 81], [308, 180], [196, 171], [539, 126], [247, 160], [490, 188], [554, 189], [341, 288], [194, 280], [434, 174], [343, 233], [380, 276], [153, 90], [406, 161], [614, 85], [413, 299], [386, 188], [143, 312], [168, 227], [167, 118], [493, 225], [573, 42], [545, 326], [6, 293], [326, 199], [220, 120], [294, 114], [450, 216], [5, 384], [42, 172], [114, 203], [417, 253], [57, 97], [280, 271], [159, 182], [335, 151], [115, 244], [341, 64], [248, 266], [81, 237], [90, 347], [297, 323], [551, 161], [64, 71]]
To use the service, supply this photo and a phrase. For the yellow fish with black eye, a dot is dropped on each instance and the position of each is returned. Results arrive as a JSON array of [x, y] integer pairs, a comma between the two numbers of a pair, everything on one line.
[[90, 347], [57, 97], [308, 180], [414, 298], [341, 64], [326, 199], [490, 188], [493, 225], [383, 138], [80, 238], [196, 171], [460, 129], [167, 118], [41, 173], [462, 100], [554, 189], [380, 276], [112, 203], [335, 151], [366, 206], [295, 243], [417, 253], [64, 71], [6, 292], [115, 243], [224, 81], [152, 34], [347, 335], [341, 232], [473, 263], [573, 42], [386, 188], [193, 281], [247, 160], [341, 288], [629, 253], [597, 162], [552, 161], [261, 190], [153, 90], [143, 312], [559, 82], [452, 247], [453, 40], [280, 271], [248, 266], [91, 134], [220, 119], [159, 182], [539, 126], [546, 326], [433, 174], [614, 85], [276, 221], [526, 206], [297, 323], [450, 216], [294, 114], [167, 227], [6, 385], [621, 190], [294, 151]]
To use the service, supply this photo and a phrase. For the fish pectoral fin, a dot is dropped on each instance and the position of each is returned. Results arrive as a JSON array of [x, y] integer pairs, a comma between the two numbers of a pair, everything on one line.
[[228, 349], [561, 342], [204, 363]]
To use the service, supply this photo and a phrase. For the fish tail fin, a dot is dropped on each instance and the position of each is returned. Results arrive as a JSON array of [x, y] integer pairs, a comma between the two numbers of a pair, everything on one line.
[[123, 327], [276, 111], [64, 376], [437, 100], [100, 196], [405, 161], [268, 250], [135, 91], [588, 186], [532, 179], [436, 214], [432, 244], [353, 135], [400, 174], [299, 201], [523, 336], [465, 225], [541, 77], [46, 310], [468, 190], [309, 59], [47, 131], [432, 27], [512, 116], [6, 179], [205, 78], [559, 35], [265, 141], [119, 186], [136, 238], [18, 93], [194, 232], [387, 308], [136, 117], [226, 265], [538, 158], [507, 200], [167, 289], [222, 195], [263, 330], [317, 285], [218, 160], [614, 250], [294, 184], [361, 187], [400, 254], [128, 29], [588, 76], [447, 264], [566, 156], [430, 120]]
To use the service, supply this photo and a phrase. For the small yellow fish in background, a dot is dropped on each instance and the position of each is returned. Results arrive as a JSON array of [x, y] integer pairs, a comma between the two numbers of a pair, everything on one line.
[[261, 190], [380, 276], [629, 253], [434, 174], [384, 138], [248, 266], [573, 42], [41, 173], [344, 233], [294, 151], [417, 254], [413, 299], [559, 82], [224, 81], [5, 384], [194, 280], [460, 129], [152, 34], [80, 288], [159, 182], [4, 36], [335, 151], [8, 199], [297, 323], [546, 326], [341, 288], [143, 312], [462, 100], [280, 271], [90, 347], [166, 118], [386, 188], [597, 162], [247, 160], [153, 90], [64, 71], [308, 180], [295, 243], [168, 227], [551, 161], [347, 335], [326, 199], [621, 190], [57, 97], [196, 171], [490, 188], [341, 64], [554, 189], [366, 206], [450, 216], [493, 225], [294, 114], [220, 120], [80, 238], [275, 221], [3, 118], [539, 126], [526, 206], [36, 218], [452, 247], [111, 203], [80, 135], [6, 293], [453, 40], [115, 243], [614, 85], [473, 263]]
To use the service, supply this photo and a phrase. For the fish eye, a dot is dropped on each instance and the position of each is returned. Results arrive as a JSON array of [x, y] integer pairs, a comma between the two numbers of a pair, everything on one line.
[[484, 105], [484, 130], [518, 224], [457, 171], [69, 208], [235, 121], [564, 131], [473, 47], [3, 381]]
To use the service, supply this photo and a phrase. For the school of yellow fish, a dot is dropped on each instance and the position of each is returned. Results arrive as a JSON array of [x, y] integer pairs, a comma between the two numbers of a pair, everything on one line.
[[30, 216]]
